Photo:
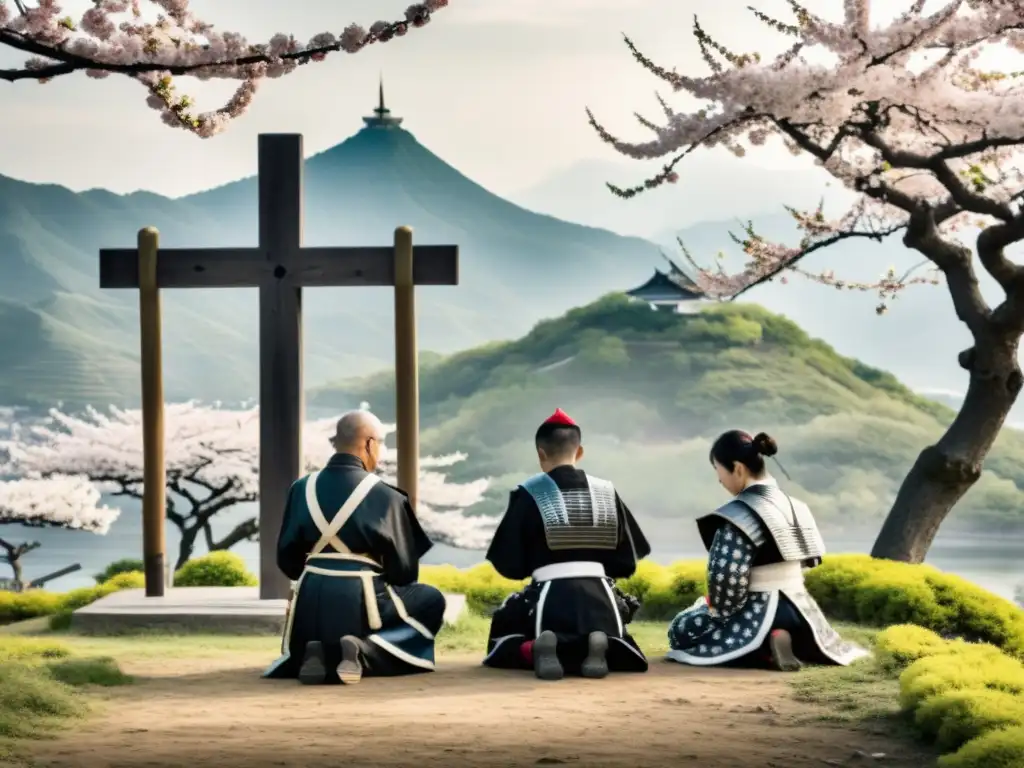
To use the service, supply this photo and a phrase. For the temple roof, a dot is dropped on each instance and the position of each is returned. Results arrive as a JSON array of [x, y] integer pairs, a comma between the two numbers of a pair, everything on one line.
[[663, 288]]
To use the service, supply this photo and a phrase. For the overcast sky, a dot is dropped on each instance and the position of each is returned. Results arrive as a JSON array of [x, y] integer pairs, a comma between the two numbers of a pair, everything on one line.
[[495, 87]]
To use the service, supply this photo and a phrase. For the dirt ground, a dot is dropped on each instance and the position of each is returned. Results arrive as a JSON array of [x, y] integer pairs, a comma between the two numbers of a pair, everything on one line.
[[218, 712]]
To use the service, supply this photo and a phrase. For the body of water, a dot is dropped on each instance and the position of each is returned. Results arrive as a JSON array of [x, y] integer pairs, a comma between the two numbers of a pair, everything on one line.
[[993, 562]]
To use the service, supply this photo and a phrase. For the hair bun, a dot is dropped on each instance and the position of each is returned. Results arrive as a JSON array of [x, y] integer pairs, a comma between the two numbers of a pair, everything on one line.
[[765, 444]]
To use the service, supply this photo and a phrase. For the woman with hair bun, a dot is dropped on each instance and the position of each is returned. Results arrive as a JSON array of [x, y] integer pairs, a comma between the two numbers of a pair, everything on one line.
[[757, 609]]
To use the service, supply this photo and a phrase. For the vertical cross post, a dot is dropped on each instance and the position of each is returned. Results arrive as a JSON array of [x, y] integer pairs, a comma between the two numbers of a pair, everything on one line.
[[281, 395], [154, 478], [407, 385]]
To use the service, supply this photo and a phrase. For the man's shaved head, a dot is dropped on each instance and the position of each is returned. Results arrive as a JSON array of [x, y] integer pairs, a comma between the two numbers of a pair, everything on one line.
[[355, 427], [361, 434]]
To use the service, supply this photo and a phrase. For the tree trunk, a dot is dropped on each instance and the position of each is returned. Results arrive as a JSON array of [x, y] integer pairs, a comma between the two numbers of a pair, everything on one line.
[[18, 573], [14, 553], [187, 545], [944, 472]]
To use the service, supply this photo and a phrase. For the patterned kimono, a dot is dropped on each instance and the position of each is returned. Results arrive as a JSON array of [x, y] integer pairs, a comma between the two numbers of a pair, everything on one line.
[[758, 545]]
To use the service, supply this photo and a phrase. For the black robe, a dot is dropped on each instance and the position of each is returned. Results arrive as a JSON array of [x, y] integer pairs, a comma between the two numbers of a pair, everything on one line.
[[361, 581], [595, 531]]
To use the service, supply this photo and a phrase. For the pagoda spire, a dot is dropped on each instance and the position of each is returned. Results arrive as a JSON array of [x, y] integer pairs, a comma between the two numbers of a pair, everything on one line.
[[382, 117]]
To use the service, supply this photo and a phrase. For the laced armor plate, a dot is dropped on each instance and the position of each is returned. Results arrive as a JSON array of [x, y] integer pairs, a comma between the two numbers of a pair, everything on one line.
[[765, 508], [576, 518]]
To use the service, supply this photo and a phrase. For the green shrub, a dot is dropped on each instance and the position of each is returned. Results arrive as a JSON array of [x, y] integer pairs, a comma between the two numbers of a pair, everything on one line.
[[217, 569], [1003, 748], [981, 666], [958, 693], [485, 589], [18, 606], [898, 647], [955, 717], [881, 592], [125, 565], [664, 594]]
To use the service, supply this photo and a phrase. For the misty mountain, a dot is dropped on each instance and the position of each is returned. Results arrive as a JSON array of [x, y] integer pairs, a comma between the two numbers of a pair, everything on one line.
[[711, 185], [61, 338]]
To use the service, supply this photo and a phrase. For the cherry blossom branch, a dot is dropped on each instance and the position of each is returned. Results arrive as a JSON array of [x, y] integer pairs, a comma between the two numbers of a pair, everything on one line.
[[926, 146], [176, 43]]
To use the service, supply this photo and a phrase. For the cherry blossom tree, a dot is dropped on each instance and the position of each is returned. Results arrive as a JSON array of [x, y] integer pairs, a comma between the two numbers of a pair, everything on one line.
[[212, 464], [56, 502], [919, 115], [154, 41]]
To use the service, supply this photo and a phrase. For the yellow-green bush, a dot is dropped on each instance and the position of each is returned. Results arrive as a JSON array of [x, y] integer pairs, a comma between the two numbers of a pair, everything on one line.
[[862, 589], [124, 565], [953, 718], [980, 667], [18, 606], [217, 569], [1003, 748], [961, 695], [898, 647]]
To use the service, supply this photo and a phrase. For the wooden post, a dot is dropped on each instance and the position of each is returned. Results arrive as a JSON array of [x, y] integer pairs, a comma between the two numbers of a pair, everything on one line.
[[281, 396], [407, 380], [154, 495]]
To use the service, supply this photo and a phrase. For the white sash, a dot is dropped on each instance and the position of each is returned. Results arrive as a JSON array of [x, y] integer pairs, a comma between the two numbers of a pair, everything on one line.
[[329, 531], [777, 577], [329, 536]]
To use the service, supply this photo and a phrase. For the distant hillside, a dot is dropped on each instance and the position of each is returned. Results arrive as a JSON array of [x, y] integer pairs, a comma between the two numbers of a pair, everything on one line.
[[917, 339], [651, 388], [78, 344]]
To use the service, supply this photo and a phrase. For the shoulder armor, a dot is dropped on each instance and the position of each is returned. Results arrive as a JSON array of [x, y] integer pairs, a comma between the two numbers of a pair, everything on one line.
[[577, 518], [788, 521], [738, 514]]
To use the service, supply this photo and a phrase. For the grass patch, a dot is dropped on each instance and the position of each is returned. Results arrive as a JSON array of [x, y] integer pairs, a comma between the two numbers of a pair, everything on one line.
[[38, 678], [861, 692], [102, 671]]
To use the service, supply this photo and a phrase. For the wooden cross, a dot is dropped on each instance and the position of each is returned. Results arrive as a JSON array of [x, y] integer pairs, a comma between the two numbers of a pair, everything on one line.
[[280, 267]]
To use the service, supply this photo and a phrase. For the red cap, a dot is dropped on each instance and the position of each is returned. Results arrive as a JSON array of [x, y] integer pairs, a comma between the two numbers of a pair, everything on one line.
[[560, 419]]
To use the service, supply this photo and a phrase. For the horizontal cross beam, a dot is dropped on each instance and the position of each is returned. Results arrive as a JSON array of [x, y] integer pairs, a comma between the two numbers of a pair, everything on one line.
[[248, 267]]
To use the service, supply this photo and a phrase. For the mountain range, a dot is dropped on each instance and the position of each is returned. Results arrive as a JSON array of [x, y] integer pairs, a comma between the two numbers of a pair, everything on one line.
[[63, 339]]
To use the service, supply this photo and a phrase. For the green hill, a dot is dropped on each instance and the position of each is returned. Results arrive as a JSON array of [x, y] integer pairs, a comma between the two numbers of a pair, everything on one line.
[[516, 267], [651, 388]]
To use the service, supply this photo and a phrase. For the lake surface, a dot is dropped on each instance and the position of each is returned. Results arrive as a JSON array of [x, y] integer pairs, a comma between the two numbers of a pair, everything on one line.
[[993, 562]]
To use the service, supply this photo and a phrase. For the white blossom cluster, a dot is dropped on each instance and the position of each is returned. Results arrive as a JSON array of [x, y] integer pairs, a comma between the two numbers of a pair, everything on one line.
[[217, 449], [903, 112], [116, 37], [58, 501]]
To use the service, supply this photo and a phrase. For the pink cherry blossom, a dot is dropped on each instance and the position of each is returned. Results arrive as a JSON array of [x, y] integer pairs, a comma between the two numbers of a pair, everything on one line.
[[903, 114], [115, 37]]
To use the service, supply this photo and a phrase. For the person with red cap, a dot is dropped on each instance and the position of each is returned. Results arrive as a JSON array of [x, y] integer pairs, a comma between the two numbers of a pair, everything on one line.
[[572, 534]]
